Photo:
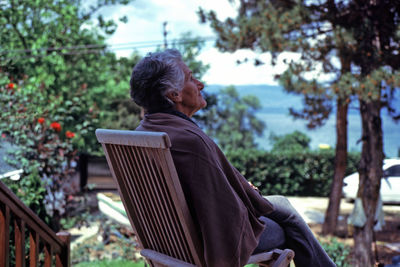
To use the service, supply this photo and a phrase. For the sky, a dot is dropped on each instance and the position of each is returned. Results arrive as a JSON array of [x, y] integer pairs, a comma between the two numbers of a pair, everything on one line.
[[145, 24]]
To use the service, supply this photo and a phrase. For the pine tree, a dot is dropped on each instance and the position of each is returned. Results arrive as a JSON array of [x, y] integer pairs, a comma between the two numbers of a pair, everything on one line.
[[357, 43]]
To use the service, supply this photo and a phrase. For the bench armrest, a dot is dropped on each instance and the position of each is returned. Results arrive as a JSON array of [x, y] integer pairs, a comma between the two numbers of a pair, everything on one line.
[[280, 257], [163, 260]]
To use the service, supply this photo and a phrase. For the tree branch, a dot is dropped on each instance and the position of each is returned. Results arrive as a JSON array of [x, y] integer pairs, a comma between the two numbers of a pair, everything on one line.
[[20, 36]]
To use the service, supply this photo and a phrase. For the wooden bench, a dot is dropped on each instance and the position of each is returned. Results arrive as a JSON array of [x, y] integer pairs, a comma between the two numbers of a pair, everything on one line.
[[142, 165]]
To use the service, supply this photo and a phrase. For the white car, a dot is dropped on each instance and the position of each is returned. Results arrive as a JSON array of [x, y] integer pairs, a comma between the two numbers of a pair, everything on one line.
[[390, 183]]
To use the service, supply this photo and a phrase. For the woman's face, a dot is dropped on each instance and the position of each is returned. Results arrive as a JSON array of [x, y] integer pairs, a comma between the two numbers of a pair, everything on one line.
[[189, 99]]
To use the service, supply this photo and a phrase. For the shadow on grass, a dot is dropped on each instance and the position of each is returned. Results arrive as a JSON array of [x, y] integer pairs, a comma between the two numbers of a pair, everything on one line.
[[111, 263]]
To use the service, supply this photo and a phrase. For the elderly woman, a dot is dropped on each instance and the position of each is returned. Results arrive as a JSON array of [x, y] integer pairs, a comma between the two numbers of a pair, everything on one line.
[[232, 218]]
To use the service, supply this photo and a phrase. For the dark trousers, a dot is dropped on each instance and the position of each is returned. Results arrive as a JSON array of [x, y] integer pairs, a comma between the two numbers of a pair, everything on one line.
[[286, 228]]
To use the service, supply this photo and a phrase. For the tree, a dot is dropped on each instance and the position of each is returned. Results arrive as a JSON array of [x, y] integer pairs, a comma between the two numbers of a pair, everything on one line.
[[54, 68], [117, 110], [284, 26], [293, 142], [54, 54], [60, 46], [362, 36], [232, 121], [377, 43]]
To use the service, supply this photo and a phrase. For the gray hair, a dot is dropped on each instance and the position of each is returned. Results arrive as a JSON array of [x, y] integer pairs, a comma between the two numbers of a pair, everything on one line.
[[154, 76]]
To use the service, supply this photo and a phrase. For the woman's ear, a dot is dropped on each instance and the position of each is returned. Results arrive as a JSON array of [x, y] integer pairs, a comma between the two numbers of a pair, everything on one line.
[[174, 96]]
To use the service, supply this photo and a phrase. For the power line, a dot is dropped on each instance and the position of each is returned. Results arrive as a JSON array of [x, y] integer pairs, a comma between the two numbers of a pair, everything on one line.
[[65, 50], [77, 47], [91, 50]]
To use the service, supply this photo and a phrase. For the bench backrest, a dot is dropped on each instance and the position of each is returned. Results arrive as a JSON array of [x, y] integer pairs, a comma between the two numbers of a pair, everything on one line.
[[150, 190]]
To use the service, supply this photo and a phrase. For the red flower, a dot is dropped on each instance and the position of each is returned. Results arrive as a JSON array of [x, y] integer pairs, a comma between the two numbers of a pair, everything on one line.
[[3, 135], [69, 134], [41, 120], [55, 126], [11, 85]]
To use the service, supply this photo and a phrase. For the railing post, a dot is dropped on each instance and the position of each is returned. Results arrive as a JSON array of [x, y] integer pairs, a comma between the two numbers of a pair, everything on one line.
[[4, 235], [63, 259], [48, 255], [34, 248], [19, 235]]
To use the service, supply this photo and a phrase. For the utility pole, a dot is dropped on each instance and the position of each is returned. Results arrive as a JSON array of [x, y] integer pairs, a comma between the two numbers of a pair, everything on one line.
[[165, 32]]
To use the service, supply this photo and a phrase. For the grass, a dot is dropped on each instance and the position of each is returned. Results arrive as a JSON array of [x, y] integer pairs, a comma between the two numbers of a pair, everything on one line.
[[111, 263]]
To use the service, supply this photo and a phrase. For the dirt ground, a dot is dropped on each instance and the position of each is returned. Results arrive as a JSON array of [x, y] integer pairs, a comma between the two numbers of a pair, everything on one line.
[[313, 209], [390, 234]]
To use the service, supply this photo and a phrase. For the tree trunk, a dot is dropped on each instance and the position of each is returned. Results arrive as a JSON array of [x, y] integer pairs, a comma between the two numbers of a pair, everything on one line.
[[370, 170], [332, 211]]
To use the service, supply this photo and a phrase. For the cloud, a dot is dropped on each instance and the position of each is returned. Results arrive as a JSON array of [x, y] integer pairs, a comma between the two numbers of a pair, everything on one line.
[[143, 9], [146, 18], [225, 70], [145, 24]]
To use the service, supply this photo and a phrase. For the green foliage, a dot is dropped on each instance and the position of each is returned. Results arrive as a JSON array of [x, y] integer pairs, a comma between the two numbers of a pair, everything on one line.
[[112, 241], [293, 142], [117, 110], [55, 68], [291, 173], [44, 148], [121, 114], [58, 83], [232, 121], [57, 45], [337, 251]]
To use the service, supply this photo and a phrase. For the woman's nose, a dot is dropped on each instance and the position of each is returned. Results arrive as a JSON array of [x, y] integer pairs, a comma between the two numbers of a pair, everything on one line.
[[200, 85]]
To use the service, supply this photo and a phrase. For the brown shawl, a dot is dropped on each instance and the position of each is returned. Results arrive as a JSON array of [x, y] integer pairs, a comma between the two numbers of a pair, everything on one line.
[[223, 205]]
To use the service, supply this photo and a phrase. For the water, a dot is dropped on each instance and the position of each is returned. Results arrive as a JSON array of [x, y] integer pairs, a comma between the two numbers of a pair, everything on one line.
[[275, 113]]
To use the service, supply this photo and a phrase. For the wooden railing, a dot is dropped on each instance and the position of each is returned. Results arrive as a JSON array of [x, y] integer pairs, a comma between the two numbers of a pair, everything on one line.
[[45, 247]]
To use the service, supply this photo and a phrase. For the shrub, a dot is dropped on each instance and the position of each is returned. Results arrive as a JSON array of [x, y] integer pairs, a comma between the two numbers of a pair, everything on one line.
[[296, 141], [307, 173], [45, 148], [337, 251]]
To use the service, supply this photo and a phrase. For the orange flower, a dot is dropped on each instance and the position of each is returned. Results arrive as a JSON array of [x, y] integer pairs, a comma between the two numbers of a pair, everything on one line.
[[41, 120], [11, 85], [69, 134], [55, 126]]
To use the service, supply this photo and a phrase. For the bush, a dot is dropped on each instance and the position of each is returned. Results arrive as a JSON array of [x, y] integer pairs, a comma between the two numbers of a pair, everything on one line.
[[45, 148], [307, 173], [296, 142], [113, 242], [337, 251]]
